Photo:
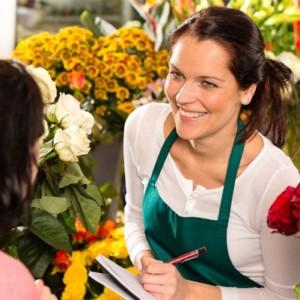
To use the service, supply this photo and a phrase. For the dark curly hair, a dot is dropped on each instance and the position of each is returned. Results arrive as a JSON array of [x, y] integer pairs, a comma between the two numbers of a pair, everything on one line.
[[237, 33], [21, 124]]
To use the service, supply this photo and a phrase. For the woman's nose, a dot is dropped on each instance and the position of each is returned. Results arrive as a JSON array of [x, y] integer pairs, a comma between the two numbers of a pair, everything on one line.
[[187, 93]]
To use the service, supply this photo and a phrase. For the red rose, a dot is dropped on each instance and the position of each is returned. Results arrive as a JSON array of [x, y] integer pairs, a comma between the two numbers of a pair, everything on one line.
[[296, 203], [62, 259], [106, 228], [281, 213]]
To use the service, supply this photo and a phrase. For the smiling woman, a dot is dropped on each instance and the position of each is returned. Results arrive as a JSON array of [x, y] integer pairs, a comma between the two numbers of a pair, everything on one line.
[[208, 177]]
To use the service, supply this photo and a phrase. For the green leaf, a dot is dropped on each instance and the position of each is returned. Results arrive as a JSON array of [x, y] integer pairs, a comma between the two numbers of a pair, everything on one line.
[[93, 191], [50, 230], [35, 254], [86, 209], [97, 25], [11, 237], [87, 162], [68, 222], [51, 180], [297, 291], [46, 148], [53, 205], [108, 190], [69, 179], [281, 18], [161, 24]]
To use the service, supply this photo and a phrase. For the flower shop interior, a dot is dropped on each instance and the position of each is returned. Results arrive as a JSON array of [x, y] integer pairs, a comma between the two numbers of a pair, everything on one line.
[[102, 60]]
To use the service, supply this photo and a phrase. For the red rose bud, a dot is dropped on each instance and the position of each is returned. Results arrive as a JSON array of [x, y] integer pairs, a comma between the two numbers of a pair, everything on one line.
[[106, 228], [79, 237], [296, 202], [76, 80], [62, 259], [280, 215]]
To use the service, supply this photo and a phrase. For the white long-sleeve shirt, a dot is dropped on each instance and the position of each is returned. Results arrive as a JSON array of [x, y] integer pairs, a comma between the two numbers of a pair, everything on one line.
[[270, 259]]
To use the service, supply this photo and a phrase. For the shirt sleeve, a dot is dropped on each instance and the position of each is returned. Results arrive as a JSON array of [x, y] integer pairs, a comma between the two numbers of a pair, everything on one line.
[[134, 228], [280, 253]]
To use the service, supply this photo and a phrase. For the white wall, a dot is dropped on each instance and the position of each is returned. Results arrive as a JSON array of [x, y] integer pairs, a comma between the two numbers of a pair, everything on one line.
[[7, 27]]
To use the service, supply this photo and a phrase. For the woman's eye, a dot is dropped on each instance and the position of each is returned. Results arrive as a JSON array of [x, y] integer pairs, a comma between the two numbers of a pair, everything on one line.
[[208, 84], [175, 75]]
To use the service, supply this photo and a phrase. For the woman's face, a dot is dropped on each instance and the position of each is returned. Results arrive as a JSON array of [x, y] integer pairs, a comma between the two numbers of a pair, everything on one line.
[[203, 93]]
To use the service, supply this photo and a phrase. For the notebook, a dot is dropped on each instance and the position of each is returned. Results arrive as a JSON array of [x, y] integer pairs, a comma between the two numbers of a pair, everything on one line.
[[120, 280]]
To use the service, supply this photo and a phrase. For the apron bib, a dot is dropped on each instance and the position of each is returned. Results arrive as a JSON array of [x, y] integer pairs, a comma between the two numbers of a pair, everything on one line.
[[170, 235]]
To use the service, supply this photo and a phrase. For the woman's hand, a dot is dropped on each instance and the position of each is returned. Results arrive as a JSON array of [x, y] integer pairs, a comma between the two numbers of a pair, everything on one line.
[[44, 291], [162, 280]]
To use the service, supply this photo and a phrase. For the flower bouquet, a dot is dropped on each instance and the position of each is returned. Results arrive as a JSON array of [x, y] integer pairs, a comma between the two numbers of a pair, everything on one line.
[[284, 215], [105, 73], [108, 240], [64, 193]]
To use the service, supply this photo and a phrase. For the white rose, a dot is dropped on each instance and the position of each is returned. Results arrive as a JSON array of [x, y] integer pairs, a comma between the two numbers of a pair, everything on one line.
[[292, 61], [70, 143], [69, 113], [45, 83]]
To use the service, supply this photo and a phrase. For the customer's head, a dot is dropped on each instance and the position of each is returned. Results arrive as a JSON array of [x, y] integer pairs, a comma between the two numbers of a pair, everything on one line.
[[21, 125], [242, 40]]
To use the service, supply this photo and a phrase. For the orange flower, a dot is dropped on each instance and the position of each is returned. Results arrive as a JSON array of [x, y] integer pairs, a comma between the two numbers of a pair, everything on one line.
[[76, 80], [106, 228], [62, 259]]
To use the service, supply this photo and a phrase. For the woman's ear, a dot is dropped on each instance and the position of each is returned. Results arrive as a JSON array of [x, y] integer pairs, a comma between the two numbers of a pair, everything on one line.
[[247, 94]]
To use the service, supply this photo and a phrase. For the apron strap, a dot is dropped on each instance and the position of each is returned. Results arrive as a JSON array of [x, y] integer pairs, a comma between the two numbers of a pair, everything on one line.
[[164, 151], [231, 173]]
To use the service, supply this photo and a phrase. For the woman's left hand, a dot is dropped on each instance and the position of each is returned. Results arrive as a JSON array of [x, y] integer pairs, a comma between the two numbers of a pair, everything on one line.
[[163, 280]]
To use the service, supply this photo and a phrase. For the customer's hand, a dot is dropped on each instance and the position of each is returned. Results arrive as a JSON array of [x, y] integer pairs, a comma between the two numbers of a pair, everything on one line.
[[43, 291]]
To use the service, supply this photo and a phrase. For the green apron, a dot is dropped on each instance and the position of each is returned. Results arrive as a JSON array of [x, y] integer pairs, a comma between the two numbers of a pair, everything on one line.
[[170, 235]]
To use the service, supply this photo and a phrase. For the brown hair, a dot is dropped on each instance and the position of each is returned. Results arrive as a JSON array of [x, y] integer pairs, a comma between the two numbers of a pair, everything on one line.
[[237, 33], [21, 124]]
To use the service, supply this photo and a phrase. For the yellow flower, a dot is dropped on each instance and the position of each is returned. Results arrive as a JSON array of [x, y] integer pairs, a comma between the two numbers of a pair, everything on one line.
[[132, 79], [69, 64], [126, 107], [111, 85], [86, 87], [100, 110], [100, 247], [118, 249], [149, 63], [101, 94], [91, 71], [122, 93], [109, 295], [143, 82], [62, 79], [65, 55], [120, 70], [100, 82], [73, 292], [75, 278], [133, 270], [162, 71]]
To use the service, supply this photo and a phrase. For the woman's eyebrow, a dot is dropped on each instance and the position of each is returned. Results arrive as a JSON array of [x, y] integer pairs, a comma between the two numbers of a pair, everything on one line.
[[200, 77]]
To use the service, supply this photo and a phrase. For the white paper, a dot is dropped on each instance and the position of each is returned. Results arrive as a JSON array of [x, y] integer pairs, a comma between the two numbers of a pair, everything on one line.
[[106, 280], [126, 280]]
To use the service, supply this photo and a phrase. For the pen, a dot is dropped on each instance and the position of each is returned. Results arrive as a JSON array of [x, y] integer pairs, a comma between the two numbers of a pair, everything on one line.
[[187, 256]]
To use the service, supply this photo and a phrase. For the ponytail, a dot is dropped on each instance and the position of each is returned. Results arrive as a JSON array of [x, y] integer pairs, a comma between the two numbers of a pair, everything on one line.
[[268, 108]]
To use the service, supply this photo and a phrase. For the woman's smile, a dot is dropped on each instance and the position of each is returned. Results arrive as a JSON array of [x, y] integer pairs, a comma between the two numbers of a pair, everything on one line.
[[187, 115]]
